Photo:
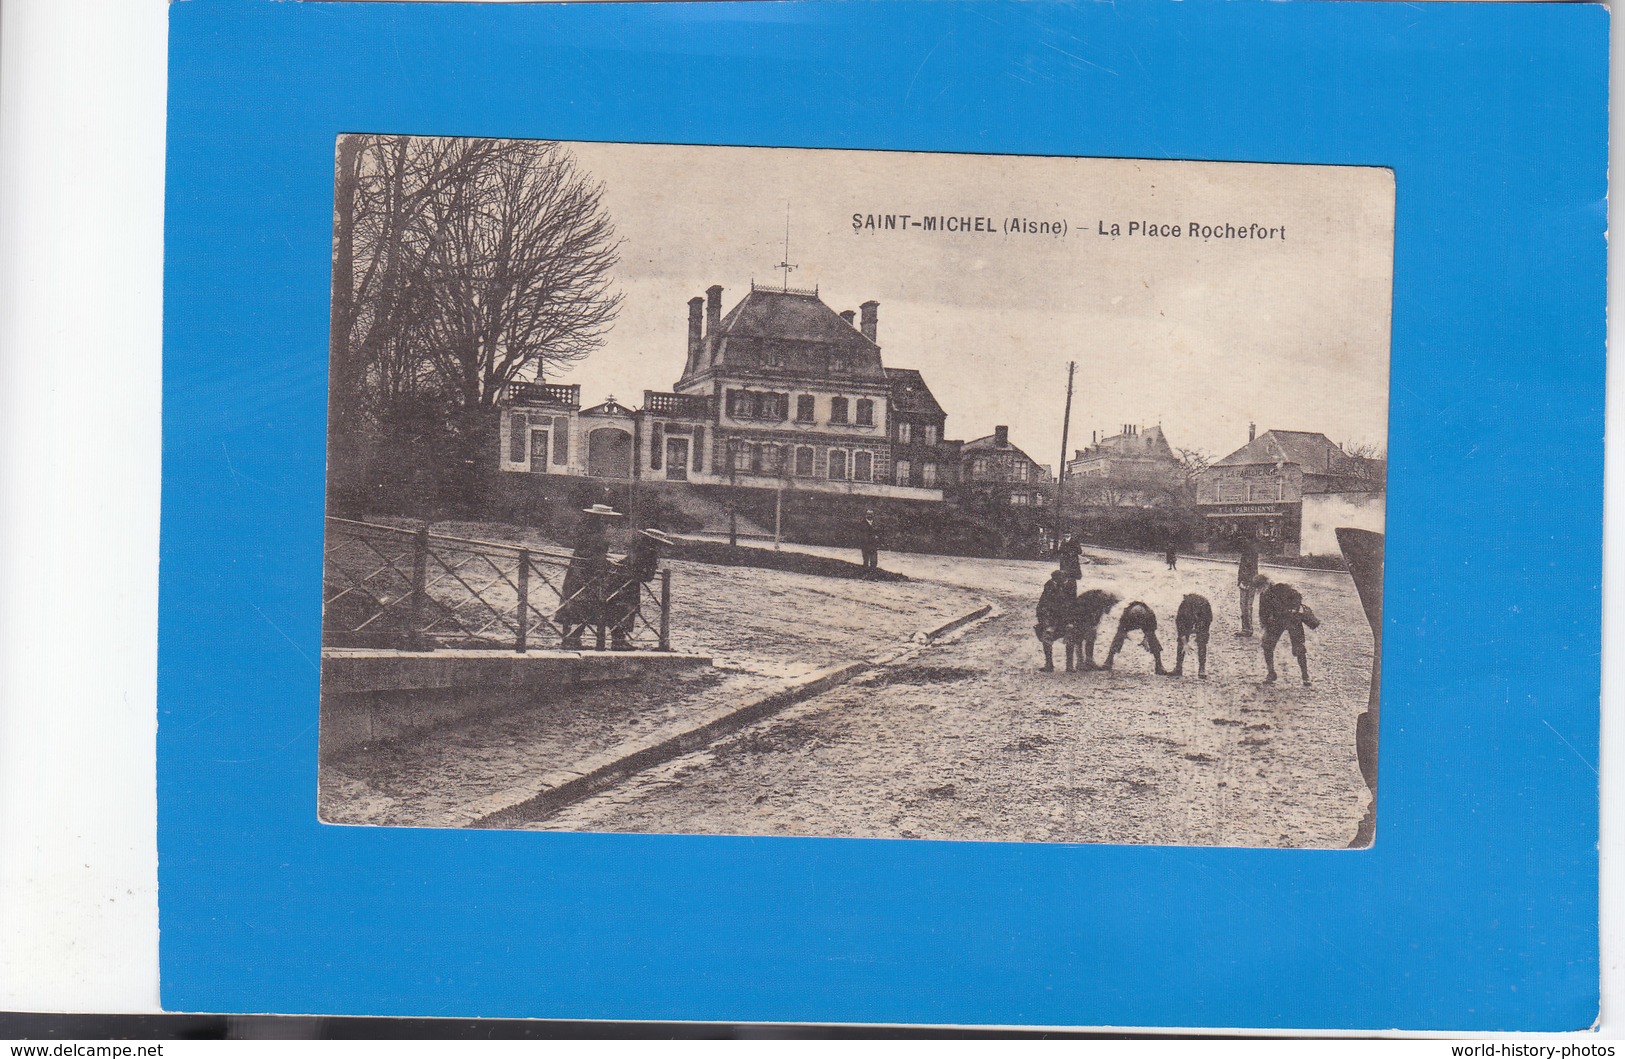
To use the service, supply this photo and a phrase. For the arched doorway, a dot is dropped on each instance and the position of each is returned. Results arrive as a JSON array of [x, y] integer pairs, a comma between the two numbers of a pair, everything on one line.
[[609, 453]]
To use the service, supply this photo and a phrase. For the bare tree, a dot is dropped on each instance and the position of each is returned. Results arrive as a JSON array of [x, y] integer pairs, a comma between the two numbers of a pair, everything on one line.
[[1192, 462], [517, 271], [384, 189], [1364, 450]]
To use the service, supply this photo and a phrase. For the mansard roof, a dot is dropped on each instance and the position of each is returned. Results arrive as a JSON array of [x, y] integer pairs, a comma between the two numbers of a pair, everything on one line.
[[797, 326], [792, 314]]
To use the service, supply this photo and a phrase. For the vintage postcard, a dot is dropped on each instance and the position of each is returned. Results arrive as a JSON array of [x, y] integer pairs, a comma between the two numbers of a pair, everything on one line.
[[742, 491]]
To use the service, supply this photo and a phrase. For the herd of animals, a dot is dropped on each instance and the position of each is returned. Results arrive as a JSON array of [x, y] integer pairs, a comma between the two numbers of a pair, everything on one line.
[[1073, 618]]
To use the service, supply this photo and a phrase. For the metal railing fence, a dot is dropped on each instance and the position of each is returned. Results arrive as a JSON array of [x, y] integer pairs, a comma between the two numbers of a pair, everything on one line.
[[390, 587]]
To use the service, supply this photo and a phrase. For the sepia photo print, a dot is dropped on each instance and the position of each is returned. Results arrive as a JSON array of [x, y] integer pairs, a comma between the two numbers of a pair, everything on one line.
[[834, 493]]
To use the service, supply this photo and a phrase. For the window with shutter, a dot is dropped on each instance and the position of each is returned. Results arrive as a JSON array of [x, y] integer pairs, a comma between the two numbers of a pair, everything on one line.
[[517, 433]]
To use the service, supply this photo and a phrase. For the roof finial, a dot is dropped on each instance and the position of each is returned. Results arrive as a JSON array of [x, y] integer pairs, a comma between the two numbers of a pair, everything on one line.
[[785, 264]]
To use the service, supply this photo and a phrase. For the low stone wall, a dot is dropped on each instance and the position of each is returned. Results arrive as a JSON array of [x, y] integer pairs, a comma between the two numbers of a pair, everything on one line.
[[373, 696]]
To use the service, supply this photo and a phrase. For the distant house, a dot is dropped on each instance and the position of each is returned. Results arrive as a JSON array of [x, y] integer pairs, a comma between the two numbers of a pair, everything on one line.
[[1290, 489], [1131, 468], [995, 475]]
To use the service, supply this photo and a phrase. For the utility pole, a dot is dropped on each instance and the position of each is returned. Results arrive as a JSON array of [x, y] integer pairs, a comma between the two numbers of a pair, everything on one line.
[[1066, 430]]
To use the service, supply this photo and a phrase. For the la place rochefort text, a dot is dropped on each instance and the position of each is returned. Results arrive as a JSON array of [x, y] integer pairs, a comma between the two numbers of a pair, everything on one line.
[[1060, 229]]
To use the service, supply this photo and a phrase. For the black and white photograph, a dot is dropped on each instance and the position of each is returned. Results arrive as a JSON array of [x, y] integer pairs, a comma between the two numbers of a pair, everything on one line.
[[704, 490]]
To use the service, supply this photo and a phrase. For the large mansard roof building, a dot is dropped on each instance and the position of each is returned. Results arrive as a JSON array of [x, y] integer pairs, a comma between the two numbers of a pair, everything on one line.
[[782, 391]]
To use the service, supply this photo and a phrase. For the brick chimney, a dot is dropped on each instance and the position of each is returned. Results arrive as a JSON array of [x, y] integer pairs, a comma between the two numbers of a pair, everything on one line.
[[696, 306], [1001, 437], [871, 316], [847, 315], [713, 309], [1252, 432]]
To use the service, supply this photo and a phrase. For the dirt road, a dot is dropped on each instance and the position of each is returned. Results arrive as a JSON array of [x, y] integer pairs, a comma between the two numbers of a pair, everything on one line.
[[967, 740]]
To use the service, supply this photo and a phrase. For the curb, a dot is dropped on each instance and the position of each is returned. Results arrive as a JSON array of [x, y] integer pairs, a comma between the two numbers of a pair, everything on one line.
[[561, 787], [960, 622]]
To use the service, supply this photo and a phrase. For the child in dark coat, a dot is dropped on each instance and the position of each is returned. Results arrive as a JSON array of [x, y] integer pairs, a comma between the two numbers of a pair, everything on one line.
[[1281, 609], [1137, 617], [1195, 618], [1054, 610]]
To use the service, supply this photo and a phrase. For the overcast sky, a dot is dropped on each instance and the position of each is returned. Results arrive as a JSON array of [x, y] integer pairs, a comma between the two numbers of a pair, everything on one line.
[[1200, 336]]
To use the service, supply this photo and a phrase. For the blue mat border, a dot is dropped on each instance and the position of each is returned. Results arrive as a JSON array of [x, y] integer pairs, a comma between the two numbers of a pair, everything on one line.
[[1477, 908]]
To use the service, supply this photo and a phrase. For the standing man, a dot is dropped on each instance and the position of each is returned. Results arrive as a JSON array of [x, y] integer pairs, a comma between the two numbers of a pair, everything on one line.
[[1070, 554], [869, 543], [1246, 571]]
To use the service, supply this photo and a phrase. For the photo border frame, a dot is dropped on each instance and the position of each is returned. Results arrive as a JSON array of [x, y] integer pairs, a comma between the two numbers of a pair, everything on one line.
[[1476, 909]]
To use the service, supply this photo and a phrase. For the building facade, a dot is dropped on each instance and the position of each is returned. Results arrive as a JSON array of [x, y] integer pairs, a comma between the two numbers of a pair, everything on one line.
[[922, 456], [996, 476], [1261, 488], [1132, 468], [782, 392]]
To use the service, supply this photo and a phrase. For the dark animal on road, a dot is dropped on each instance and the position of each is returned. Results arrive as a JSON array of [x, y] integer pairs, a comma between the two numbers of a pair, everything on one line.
[[1195, 618], [1281, 609], [1137, 617], [1054, 611], [1087, 611]]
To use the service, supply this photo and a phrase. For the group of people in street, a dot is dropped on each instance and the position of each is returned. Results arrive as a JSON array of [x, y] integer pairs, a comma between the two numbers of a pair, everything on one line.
[[603, 593], [1073, 618]]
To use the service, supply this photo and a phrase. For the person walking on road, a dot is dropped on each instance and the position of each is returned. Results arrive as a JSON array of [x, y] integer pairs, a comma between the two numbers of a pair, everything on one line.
[[1246, 572], [869, 543], [1171, 555]]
